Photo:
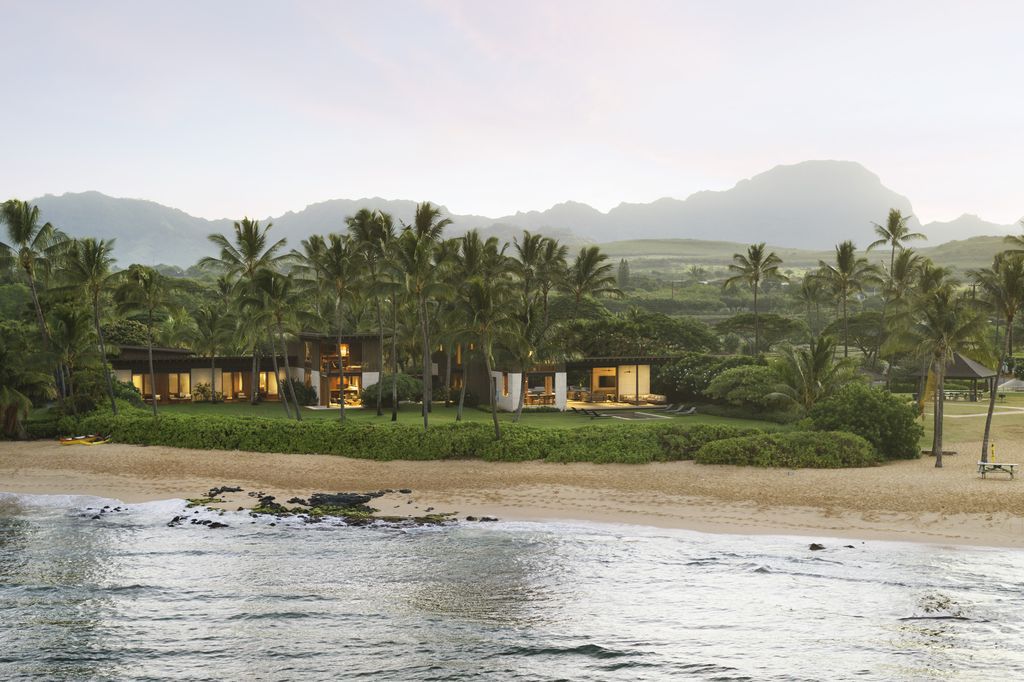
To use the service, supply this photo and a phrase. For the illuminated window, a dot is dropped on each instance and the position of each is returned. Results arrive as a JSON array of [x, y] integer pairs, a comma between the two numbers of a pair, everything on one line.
[[504, 384], [458, 354]]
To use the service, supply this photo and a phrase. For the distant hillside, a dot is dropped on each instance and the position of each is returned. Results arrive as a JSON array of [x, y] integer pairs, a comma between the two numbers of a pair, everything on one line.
[[677, 254], [814, 204]]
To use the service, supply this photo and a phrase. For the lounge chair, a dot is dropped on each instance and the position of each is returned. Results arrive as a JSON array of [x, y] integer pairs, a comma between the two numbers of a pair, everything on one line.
[[686, 413], [667, 408]]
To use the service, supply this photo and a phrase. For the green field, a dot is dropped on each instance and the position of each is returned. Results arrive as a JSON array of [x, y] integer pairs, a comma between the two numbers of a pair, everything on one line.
[[645, 254], [965, 421], [410, 414]]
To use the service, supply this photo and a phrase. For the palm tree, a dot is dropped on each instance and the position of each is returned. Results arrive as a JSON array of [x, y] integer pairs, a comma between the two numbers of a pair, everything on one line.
[[241, 261], [589, 276], [754, 269], [894, 233], [341, 266], [901, 276], [490, 317], [424, 277], [552, 269], [210, 333], [142, 290], [87, 266], [72, 340], [1002, 287], [847, 276], [807, 375], [374, 232], [280, 297], [31, 250], [944, 321]]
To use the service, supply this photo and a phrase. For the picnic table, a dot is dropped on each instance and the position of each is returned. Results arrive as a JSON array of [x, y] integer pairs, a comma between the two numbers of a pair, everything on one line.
[[988, 467]]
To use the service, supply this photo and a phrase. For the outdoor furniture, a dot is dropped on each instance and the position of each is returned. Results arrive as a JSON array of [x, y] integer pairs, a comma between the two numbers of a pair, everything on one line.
[[686, 413], [988, 467], [594, 414], [1005, 467]]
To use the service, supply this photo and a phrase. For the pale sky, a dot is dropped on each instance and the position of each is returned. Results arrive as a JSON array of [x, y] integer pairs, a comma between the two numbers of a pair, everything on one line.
[[230, 108]]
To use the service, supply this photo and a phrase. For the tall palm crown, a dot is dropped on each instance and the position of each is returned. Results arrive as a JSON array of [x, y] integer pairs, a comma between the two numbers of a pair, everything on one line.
[[88, 266], [551, 271], [250, 253], [30, 248], [590, 276], [848, 275], [894, 233], [754, 269], [283, 301]]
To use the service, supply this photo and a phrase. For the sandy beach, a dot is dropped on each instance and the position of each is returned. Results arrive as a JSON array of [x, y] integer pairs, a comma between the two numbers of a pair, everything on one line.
[[907, 501]]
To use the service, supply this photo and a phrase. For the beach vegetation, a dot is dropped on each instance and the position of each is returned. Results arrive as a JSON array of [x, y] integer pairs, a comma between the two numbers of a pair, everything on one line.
[[791, 449], [887, 421], [748, 386]]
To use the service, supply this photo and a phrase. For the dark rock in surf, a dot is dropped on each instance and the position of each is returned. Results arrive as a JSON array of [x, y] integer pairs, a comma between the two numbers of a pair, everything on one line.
[[339, 499], [815, 547], [217, 524]]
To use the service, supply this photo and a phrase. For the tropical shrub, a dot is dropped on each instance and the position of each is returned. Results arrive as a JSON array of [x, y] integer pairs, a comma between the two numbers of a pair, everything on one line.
[[686, 379], [305, 395], [747, 386], [202, 393], [794, 449], [124, 332], [886, 421], [680, 443], [409, 388]]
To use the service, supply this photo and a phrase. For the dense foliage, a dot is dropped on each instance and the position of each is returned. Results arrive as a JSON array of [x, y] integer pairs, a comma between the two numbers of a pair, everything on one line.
[[747, 386], [601, 443], [886, 421], [409, 389], [794, 449], [687, 378]]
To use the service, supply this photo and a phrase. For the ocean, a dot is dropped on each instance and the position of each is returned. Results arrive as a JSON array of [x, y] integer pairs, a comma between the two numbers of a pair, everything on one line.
[[125, 596]]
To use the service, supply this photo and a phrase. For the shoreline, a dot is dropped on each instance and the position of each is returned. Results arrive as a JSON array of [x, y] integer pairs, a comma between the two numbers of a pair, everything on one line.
[[906, 501]]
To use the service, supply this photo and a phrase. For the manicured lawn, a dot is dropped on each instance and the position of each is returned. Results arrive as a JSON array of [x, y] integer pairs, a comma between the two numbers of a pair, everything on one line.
[[410, 414]]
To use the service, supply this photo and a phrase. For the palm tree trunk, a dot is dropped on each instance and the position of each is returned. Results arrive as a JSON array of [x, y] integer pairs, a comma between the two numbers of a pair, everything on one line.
[[993, 387], [462, 395], [288, 375], [427, 376], [493, 383], [380, 357], [394, 358], [44, 332], [103, 353], [281, 395], [213, 381], [254, 387], [522, 396], [757, 327], [152, 373], [940, 400], [341, 378], [448, 377], [846, 332]]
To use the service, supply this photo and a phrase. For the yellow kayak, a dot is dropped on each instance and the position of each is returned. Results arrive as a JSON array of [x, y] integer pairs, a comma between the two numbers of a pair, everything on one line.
[[84, 440]]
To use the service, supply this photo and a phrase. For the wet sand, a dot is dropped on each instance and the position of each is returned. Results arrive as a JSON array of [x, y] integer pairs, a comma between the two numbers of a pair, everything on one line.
[[908, 501]]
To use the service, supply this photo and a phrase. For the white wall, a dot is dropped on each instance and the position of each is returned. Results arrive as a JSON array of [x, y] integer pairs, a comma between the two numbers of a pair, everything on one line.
[[370, 378], [561, 384], [507, 403], [124, 375]]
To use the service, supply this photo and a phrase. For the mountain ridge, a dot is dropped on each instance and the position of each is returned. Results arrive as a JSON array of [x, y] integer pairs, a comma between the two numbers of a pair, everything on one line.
[[813, 204]]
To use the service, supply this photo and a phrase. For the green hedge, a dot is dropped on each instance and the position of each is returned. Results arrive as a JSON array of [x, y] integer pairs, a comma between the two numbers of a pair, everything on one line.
[[794, 449], [680, 443], [600, 443]]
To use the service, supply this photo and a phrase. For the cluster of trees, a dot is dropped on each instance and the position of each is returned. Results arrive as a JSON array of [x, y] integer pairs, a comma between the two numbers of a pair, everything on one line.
[[914, 315], [527, 303]]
